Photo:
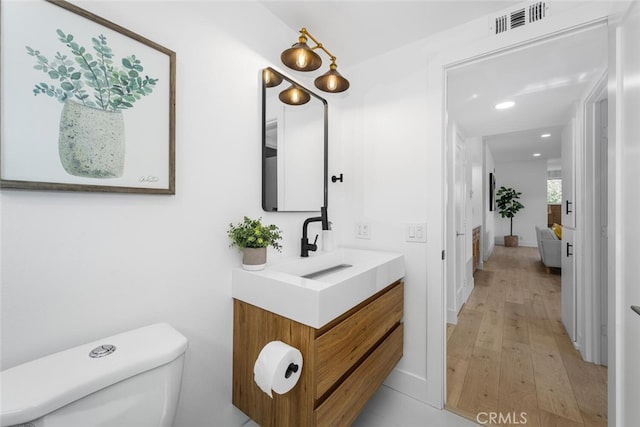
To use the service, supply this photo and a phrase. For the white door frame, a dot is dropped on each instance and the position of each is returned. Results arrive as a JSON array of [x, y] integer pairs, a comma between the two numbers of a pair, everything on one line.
[[592, 250], [442, 54], [438, 70]]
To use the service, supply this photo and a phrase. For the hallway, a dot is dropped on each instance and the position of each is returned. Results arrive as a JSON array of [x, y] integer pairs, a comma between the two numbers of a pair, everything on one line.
[[509, 353]]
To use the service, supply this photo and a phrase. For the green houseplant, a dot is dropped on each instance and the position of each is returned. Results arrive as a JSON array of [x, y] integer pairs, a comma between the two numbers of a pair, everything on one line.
[[508, 206], [253, 238]]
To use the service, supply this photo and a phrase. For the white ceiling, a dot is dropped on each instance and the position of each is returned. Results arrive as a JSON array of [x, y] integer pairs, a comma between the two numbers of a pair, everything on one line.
[[356, 30], [543, 80]]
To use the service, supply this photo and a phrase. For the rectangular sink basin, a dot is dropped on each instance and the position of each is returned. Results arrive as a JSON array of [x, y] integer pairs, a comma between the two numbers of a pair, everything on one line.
[[317, 289], [327, 270]]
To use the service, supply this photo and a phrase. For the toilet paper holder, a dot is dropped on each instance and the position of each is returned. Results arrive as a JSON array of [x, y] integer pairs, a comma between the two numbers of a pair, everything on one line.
[[291, 369]]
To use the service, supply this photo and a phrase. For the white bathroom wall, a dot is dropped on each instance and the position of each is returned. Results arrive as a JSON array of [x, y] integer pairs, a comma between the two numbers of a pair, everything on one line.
[[80, 266], [529, 178], [383, 161]]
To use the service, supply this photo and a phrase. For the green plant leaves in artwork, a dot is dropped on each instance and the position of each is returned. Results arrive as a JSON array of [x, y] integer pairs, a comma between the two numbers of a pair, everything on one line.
[[127, 63], [113, 88]]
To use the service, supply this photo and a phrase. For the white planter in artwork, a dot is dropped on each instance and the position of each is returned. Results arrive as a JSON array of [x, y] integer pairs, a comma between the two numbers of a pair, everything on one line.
[[91, 142]]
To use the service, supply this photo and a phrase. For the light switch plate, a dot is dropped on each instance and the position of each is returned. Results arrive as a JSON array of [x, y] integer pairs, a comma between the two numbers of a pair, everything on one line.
[[363, 230], [416, 232]]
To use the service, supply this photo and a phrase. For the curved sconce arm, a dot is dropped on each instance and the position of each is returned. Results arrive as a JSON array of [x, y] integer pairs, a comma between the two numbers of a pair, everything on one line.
[[318, 45]]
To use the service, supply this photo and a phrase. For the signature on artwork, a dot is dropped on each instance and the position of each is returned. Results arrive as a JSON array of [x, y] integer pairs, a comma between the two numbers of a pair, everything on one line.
[[148, 178]]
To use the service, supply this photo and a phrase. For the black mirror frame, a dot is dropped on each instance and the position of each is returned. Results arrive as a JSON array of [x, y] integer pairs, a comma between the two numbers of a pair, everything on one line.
[[264, 136]]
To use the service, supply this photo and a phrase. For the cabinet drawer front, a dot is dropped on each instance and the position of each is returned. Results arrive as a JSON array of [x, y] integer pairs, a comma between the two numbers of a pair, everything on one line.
[[340, 348], [343, 405]]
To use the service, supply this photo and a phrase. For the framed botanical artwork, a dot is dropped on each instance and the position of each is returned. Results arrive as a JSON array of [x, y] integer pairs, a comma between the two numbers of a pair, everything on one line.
[[86, 105]]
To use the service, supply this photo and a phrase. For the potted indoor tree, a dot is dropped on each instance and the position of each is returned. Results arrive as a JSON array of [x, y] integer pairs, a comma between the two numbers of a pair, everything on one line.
[[252, 238], [508, 206]]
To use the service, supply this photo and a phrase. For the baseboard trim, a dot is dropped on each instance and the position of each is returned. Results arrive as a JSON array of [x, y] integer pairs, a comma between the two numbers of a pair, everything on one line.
[[407, 383], [470, 285], [452, 317], [489, 251]]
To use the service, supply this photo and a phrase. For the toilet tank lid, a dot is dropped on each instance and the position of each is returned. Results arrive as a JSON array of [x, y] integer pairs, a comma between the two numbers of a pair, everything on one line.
[[38, 387]]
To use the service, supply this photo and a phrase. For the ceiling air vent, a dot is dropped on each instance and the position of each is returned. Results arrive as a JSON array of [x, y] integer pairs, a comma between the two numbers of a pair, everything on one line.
[[501, 24], [537, 11], [518, 18]]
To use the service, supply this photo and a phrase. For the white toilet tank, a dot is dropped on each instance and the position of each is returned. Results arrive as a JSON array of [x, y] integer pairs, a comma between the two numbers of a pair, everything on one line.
[[131, 379]]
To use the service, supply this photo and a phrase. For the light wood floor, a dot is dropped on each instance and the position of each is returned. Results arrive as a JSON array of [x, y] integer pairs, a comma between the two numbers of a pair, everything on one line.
[[509, 352]]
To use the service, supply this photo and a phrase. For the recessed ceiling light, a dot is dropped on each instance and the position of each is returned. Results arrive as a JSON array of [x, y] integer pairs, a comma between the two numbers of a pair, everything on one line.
[[536, 154], [545, 135], [505, 105]]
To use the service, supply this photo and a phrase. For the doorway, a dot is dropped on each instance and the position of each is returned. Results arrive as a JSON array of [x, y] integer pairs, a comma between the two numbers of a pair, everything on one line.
[[597, 240], [580, 41]]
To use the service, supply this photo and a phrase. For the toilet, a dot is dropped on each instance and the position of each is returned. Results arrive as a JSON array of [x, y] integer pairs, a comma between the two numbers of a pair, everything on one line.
[[129, 379]]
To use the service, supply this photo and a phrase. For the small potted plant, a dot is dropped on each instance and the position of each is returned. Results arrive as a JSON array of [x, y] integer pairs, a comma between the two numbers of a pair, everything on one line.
[[253, 238], [508, 206]]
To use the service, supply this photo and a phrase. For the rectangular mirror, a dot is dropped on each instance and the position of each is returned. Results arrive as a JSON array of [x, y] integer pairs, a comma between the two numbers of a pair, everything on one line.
[[294, 146]]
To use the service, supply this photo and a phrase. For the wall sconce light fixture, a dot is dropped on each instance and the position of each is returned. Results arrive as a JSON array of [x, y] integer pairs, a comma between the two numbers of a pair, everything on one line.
[[301, 57], [294, 96], [271, 79]]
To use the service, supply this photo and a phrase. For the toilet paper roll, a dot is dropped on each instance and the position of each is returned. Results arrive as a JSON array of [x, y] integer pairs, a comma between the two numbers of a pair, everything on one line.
[[277, 367]]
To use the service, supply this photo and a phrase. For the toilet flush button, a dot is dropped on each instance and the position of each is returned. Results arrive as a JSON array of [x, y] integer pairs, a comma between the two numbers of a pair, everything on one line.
[[102, 350]]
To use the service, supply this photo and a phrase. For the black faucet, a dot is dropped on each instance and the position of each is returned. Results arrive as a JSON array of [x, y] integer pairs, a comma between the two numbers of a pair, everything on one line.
[[305, 246]]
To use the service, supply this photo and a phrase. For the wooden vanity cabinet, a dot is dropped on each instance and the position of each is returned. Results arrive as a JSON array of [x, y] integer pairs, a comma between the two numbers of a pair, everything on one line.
[[344, 362]]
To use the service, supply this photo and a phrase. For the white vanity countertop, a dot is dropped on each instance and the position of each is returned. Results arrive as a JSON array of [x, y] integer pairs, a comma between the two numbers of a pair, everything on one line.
[[281, 289]]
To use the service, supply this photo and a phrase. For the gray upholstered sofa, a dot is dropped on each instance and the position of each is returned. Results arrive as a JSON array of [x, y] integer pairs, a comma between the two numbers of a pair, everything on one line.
[[549, 247]]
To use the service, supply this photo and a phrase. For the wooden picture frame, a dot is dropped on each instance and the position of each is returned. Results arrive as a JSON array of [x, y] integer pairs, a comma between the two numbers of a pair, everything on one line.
[[86, 104]]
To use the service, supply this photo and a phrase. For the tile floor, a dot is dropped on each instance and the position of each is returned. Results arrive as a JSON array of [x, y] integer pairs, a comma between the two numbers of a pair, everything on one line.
[[388, 408]]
